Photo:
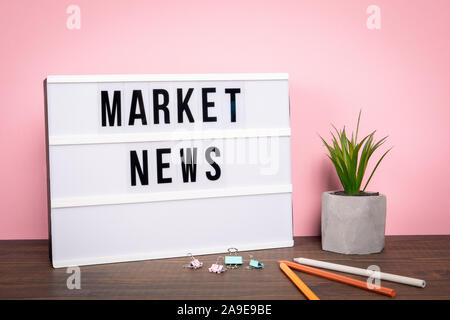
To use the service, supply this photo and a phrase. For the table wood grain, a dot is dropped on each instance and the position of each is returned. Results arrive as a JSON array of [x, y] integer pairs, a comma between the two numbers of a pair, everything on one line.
[[26, 273]]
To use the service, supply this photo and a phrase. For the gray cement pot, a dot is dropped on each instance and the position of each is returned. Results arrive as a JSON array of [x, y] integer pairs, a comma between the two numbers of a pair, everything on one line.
[[353, 224]]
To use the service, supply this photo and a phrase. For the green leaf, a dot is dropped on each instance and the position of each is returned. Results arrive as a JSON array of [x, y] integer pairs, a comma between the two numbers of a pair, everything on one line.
[[379, 161], [364, 159], [357, 126]]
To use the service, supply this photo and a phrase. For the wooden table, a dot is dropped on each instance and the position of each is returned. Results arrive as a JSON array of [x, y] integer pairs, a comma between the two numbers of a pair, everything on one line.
[[26, 272]]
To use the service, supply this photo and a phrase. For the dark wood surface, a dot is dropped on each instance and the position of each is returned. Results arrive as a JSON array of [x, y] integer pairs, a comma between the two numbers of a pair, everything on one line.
[[26, 272]]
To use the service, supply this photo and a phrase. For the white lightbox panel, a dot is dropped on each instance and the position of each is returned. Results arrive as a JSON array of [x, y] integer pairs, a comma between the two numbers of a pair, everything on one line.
[[98, 217], [103, 169], [80, 114], [114, 233]]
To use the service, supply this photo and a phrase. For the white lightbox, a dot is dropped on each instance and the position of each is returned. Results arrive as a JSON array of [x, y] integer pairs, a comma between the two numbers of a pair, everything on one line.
[[158, 166]]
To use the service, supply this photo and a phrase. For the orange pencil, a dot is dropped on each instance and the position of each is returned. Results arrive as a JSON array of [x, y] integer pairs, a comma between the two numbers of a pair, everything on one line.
[[336, 277], [298, 282]]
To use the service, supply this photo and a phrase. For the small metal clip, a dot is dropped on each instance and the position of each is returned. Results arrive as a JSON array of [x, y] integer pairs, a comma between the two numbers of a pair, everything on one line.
[[254, 264], [216, 267], [233, 260], [195, 263]]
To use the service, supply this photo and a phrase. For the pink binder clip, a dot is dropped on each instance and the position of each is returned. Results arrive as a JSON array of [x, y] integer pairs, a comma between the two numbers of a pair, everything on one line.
[[195, 263], [216, 267]]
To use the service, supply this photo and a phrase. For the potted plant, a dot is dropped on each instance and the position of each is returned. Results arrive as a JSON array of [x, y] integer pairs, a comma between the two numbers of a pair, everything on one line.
[[353, 220]]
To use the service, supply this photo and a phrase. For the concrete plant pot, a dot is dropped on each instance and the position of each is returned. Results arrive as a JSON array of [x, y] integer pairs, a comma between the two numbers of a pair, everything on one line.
[[353, 224]]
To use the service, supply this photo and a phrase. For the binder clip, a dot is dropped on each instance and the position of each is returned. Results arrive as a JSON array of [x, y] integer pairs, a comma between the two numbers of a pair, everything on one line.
[[194, 264], [233, 260], [254, 264], [216, 267]]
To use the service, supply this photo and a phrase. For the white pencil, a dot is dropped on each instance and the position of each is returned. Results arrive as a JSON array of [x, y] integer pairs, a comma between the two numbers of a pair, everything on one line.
[[361, 272]]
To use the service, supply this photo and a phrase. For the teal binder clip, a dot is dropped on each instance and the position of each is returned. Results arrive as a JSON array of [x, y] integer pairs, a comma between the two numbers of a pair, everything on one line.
[[233, 260], [256, 264]]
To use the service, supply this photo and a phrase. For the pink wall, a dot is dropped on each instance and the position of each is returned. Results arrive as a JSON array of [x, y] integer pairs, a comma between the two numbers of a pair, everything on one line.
[[399, 75]]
